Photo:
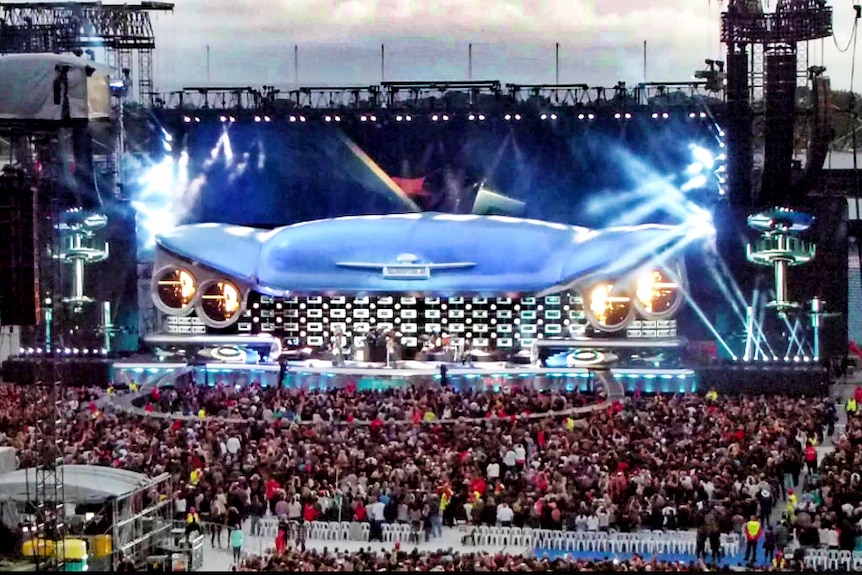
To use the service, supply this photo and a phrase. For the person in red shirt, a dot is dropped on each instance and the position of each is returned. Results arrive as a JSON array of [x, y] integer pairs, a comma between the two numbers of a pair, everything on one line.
[[272, 486], [309, 514], [360, 514], [811, 458], [280, 541]]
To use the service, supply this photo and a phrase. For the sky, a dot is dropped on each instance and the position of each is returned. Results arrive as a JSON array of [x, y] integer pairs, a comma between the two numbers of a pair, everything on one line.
[[251, 42]]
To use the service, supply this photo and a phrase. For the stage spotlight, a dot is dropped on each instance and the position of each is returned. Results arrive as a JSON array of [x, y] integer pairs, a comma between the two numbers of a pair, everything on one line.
[[302, 118], [608, 309], [481, 117], [591, 116], [543, 117], [445, 117], [220, 303], [471, 117], [408, 117], [628, 116], [187, 119], [168, 148], [657, 294], [373, 118], [581, 116], [703, 156], [692, 115], [175, 291], [258, 119], [267, 119], [337, 118], [232, 119], [222, 119], [517, 117], [292, 119], [434, 118], [507, 117], [618, 116], [655, 115], [327, 119], [363, 118], [665, 115], [399, 118], [553, 116], [703, 114]]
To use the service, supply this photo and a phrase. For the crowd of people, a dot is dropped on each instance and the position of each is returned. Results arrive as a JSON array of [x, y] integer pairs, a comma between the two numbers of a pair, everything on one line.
[[436, 457], [448, 560]]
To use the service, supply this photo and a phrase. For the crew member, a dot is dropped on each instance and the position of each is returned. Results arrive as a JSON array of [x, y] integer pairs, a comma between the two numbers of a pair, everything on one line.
[[753, 530]]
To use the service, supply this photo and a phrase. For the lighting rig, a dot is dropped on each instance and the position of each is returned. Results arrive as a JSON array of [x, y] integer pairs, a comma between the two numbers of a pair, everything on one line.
[[443, 102]]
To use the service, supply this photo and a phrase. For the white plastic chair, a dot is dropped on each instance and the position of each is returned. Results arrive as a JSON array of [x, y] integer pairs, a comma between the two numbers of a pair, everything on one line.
[[388, 534]]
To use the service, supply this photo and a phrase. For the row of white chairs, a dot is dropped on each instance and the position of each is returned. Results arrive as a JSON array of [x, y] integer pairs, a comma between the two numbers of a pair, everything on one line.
[[318, 530], [646, 542], [833, 560]]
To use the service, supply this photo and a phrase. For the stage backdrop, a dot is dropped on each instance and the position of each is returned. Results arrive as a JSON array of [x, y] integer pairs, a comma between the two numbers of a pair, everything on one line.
[[601, 173]]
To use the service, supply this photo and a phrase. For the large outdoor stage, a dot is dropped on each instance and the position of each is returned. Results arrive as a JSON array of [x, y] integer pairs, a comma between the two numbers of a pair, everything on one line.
[[320, 374]]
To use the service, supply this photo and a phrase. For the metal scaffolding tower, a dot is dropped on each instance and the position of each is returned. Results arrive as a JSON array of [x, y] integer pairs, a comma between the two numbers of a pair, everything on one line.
[[59, 27], [46, 493]]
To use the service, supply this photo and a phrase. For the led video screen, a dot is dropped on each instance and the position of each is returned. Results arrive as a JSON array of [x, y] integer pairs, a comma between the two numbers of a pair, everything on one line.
[[596, 173]]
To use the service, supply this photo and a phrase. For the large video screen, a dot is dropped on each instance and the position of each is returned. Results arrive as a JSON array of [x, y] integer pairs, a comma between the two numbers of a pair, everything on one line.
[[584, 169]]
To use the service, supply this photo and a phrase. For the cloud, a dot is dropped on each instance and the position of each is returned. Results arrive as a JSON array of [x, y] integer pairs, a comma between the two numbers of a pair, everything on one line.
[[345, 21], [252, 40]]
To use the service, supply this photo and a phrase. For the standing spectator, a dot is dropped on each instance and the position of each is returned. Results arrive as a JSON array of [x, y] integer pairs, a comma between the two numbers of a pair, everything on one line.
[[811, 458], [504, 515], [255, 511], [753, 530], [236, 541], [769, 544]]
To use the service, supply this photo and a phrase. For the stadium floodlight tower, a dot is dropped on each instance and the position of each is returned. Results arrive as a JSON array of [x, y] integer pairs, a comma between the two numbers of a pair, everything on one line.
[[780, 247], [79, 248]]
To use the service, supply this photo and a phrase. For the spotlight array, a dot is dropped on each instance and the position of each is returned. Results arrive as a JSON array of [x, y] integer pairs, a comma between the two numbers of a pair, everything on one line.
[[402, 116], [66, 352]]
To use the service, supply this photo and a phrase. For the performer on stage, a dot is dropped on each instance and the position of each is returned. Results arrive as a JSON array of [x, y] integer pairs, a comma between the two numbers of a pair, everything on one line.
[[340, 345]]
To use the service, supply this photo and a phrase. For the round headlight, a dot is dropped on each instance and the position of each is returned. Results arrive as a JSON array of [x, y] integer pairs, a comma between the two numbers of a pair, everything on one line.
[[174, 290], [608, 308], [220, 303], [657, 293]]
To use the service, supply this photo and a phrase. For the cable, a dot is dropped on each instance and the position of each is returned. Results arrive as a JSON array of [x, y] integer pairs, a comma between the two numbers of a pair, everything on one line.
[[851, 41], [854, 116]]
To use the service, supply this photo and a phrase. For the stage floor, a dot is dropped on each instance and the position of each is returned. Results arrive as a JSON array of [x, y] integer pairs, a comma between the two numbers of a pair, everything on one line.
[[401, 370]]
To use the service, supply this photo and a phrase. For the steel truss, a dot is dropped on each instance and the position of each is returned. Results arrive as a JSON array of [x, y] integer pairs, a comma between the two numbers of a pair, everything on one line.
[[471, 93], [46, 499], [61, 27], [339, 97], [583, 95], [219, 98], [140, 527], [442, 96]]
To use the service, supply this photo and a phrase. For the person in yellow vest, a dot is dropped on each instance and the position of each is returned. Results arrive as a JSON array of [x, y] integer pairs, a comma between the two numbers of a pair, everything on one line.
[[193, 522], [712, 395], [752, 530], [851, 406], [792, 502]]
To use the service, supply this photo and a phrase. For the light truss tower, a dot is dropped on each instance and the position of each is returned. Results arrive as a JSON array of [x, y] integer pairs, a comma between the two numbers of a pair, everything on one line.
[[780, 247], [61, 27]]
